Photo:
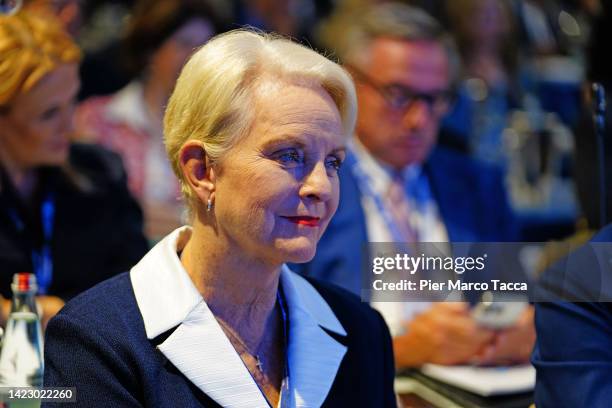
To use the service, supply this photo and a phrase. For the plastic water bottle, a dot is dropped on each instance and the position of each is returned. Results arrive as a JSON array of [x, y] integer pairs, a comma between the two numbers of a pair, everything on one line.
[[21, 359]]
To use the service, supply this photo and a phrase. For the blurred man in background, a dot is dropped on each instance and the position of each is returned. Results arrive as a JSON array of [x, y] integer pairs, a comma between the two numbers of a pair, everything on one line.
[[397, 186]]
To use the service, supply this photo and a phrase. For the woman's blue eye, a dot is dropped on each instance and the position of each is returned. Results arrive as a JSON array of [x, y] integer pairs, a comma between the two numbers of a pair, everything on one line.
[[290, 157], [334, 163]]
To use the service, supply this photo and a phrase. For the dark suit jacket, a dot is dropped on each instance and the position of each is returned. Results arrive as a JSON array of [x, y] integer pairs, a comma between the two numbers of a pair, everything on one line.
[[97, 230], [98, 344], [573, 352], [470, 197]]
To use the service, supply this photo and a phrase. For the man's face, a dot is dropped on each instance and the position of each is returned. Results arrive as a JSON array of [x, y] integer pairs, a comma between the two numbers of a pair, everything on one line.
[[404, 132]]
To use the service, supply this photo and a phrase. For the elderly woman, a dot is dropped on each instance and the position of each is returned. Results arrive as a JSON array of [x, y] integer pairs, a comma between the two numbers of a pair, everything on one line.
[[65, 211], [256, 131]]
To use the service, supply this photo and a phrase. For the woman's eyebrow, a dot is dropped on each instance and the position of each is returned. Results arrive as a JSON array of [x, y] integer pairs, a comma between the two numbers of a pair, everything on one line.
[[294, 141], [284, 140]]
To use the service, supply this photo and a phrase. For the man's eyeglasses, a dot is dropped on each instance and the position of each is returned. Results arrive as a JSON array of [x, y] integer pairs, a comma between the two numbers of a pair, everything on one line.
[[400, 97]]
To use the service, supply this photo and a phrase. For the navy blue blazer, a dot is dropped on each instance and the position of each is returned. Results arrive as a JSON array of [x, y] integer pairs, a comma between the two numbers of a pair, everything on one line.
[[573, 351], [98, 344], [470, 197]]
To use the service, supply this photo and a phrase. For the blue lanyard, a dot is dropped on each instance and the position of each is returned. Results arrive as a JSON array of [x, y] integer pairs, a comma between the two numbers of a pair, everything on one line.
[[364, 182], [42, 260]]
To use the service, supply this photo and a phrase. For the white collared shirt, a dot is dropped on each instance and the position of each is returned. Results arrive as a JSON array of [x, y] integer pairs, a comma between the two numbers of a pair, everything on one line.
[[199, 348], [425, 219]]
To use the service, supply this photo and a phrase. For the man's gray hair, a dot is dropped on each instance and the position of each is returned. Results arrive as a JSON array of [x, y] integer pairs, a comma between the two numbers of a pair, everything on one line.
[[347, 34]]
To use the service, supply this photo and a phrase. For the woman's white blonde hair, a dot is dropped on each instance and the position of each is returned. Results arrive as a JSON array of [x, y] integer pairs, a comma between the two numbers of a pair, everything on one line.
[[213, 100]]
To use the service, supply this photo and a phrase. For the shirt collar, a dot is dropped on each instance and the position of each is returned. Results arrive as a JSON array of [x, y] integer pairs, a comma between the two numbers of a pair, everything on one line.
[[166, 295], [167, 298], [381, 173], [164, 291]]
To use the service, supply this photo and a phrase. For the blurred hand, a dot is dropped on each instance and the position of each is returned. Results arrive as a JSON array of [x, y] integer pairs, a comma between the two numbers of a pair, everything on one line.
[[512, 345], [445, 334]]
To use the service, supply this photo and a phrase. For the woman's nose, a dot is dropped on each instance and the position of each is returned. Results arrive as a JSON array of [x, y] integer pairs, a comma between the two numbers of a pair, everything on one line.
[[317, 184]]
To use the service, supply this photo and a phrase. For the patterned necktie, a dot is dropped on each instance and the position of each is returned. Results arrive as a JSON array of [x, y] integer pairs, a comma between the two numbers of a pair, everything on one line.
[[399, 208]]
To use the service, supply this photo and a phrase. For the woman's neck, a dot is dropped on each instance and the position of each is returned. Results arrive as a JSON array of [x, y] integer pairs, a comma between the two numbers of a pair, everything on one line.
[[241, 292], [25, 183], [23, 179]]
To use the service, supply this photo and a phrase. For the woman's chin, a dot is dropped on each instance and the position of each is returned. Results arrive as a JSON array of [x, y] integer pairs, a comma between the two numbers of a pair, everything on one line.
[[299, 250]]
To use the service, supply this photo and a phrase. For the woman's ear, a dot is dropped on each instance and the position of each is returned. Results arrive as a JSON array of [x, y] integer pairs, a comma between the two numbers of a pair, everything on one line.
[[197, 170]]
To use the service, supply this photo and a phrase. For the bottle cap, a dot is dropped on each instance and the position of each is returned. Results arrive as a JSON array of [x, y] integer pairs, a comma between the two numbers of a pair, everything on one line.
[[24, 282]]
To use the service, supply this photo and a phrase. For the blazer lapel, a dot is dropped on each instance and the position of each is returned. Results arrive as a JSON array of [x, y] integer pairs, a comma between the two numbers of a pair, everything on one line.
[[314, 355], [201, 351], [314, 360]]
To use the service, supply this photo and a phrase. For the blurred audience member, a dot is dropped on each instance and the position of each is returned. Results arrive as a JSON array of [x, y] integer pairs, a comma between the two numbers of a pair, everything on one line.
[[483, 30], [499, 120], [160, 37], [552, 38], [65, 211], [573, 352], [540, 28], [588, 180], [574, 347], [292, 18], [437, 9], [102, 71], [398, 187]]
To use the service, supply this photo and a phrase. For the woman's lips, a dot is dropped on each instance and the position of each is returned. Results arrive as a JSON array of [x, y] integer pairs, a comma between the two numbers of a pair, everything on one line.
[[306, 221]]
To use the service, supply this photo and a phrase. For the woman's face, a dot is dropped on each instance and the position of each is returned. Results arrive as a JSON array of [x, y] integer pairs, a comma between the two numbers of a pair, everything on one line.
[[36, 129], [277, 188]]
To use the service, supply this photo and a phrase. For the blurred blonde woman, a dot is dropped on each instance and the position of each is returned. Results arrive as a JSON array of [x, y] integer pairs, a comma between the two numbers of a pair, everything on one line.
[[65, 212]]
